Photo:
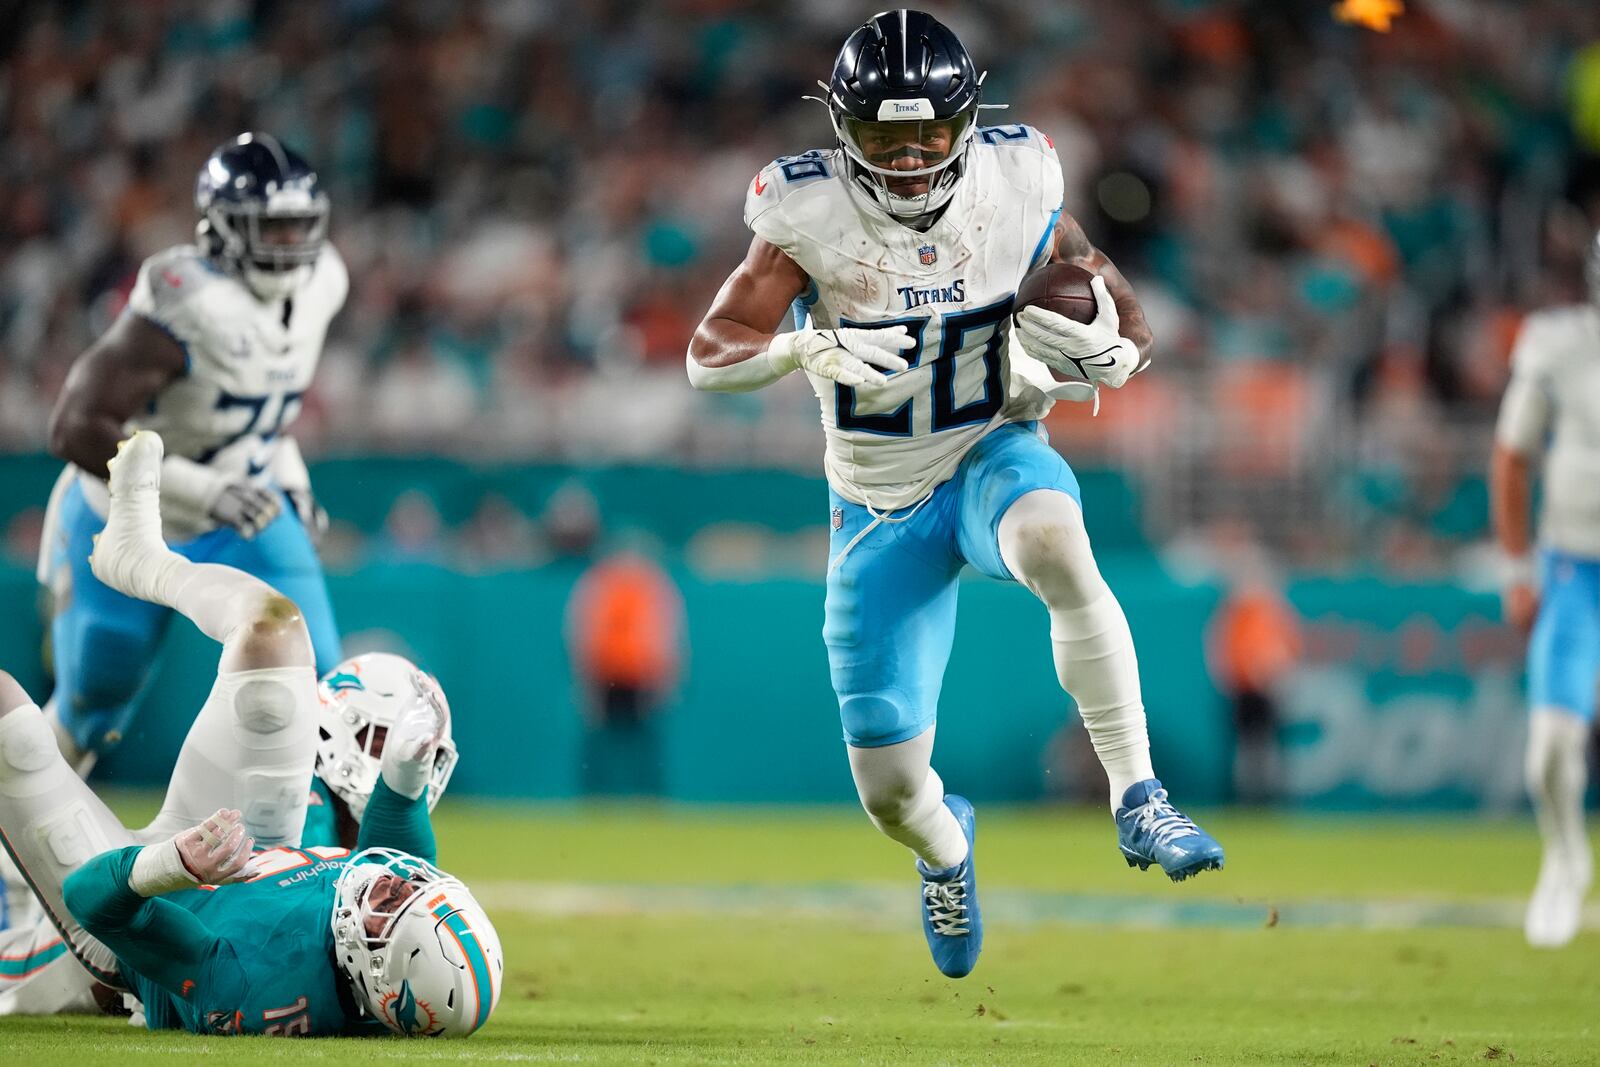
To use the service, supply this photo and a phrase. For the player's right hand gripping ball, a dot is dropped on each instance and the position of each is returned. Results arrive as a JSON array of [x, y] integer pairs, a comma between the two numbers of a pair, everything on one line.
[[1069, 322]]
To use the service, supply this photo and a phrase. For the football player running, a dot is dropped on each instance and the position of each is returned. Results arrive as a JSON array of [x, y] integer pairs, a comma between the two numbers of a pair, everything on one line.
[[901, 250], [1552, 407], [219, 342], [209, 936]]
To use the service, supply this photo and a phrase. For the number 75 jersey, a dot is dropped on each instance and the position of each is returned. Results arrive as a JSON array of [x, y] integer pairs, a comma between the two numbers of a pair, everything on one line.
[[951, 287], [247, 364]]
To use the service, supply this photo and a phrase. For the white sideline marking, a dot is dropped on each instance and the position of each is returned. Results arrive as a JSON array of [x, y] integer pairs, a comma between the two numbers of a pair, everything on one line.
[[897, 906]]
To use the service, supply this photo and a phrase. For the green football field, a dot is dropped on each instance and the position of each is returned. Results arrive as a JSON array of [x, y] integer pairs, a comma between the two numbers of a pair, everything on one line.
[[745, 936]]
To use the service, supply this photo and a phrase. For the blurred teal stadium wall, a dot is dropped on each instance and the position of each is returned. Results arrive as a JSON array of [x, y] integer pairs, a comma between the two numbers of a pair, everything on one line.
[[1409, 695]]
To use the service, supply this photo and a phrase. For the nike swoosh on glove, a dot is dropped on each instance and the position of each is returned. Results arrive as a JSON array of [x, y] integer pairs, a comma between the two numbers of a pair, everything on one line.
[[1093, 350], [847, 356]]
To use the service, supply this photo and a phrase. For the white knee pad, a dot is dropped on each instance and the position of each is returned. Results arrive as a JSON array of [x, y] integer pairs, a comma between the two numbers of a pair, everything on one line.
[[891, 802], [252, 747], [264, 705], [1557, 744], [1044, 543], [27, 744]]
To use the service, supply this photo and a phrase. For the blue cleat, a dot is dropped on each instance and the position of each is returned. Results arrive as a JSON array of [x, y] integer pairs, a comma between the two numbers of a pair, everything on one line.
[[1150, 830], [950, 915]]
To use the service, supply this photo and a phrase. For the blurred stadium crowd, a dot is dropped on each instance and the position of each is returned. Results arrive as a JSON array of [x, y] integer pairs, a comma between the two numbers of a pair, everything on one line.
[[1334, 231]]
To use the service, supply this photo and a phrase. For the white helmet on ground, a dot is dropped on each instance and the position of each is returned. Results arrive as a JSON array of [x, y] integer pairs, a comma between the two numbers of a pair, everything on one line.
[[420, 952], [362, 699]]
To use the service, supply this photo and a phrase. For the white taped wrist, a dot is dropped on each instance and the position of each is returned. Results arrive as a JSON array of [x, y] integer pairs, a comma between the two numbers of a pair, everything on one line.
[[190, 484], [158, 869], [407, 778]]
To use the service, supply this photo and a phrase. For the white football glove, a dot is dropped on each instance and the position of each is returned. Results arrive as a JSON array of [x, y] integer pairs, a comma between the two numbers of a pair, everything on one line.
[[213, 853], [413, 743], [1093, 351], [847, 356]]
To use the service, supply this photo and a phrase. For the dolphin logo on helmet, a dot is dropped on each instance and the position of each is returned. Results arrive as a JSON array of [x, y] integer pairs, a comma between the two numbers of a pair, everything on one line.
[[418, 949], [362, 699]]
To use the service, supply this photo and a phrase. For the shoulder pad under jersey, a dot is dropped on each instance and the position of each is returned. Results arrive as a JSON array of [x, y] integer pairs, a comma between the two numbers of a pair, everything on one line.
[[791, 195], [1025, 157]]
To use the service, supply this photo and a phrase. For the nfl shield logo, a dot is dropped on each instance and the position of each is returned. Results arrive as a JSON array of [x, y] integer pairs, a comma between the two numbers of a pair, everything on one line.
[[928, 255], [838, 518]]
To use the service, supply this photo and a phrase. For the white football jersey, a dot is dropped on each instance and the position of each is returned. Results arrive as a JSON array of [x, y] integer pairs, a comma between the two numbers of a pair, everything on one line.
[[247, 364], [951, 286], [1553, 404]]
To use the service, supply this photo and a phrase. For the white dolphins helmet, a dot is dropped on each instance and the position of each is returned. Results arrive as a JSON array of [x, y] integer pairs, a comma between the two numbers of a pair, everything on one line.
[[420, 952], [362, 698]]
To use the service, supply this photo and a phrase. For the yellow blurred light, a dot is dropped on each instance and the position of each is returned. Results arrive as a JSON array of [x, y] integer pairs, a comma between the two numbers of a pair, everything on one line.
[[1373, 14]]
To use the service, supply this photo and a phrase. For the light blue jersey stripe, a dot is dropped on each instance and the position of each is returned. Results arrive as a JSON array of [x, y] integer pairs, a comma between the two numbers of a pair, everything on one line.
[[1044, 238]]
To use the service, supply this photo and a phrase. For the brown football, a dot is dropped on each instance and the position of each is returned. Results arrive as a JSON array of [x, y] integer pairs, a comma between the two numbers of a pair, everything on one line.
[[1059, 287]]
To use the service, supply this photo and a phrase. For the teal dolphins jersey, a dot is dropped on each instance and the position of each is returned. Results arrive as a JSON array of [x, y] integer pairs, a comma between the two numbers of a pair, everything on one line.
[[254, 957], [322, 825]]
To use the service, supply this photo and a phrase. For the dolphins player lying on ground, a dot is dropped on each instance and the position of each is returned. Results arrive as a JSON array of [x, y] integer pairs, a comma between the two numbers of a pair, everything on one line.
[[208, 936], [901, 250], [362, 701]]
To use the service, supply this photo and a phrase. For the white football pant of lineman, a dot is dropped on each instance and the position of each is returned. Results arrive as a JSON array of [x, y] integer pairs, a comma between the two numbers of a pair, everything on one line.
[[1558, 744], [1044, 543], [252, 746]]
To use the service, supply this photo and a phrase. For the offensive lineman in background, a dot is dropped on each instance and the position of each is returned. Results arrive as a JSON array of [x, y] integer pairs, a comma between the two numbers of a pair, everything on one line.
[[1552, 406], [901, 250], [219, 342]]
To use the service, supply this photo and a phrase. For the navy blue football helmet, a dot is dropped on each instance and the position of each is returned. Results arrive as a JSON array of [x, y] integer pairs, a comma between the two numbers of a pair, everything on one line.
[[904, 102], [262, 211]]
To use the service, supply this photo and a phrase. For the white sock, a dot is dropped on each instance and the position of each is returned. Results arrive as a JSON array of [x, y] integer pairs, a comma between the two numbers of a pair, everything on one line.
[[1043, 542], [905, 799], [1557, 777], [1095, 662]]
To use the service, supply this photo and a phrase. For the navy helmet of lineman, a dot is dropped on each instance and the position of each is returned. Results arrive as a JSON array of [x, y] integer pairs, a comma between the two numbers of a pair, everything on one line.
[[262, 213], [903, 99]]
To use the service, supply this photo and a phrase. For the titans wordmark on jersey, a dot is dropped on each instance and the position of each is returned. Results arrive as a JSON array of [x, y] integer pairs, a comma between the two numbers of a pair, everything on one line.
[[248, 363], [951, 287]]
